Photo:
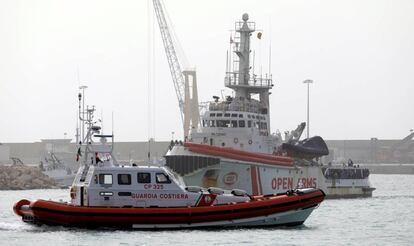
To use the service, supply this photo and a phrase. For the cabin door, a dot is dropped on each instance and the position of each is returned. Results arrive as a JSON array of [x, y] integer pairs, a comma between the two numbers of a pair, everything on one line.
[[81, 195], [85, 196]]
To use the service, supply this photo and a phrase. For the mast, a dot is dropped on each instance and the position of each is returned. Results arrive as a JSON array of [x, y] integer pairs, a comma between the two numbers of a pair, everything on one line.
[[241, 80], [243, 53]]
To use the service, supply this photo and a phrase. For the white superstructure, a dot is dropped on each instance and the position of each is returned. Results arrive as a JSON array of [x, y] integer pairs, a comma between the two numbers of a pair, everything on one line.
[[242, 123]]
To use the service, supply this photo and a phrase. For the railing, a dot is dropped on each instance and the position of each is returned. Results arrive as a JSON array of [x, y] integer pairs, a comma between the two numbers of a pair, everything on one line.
[[232, 79], [238, 25], [241, 107]]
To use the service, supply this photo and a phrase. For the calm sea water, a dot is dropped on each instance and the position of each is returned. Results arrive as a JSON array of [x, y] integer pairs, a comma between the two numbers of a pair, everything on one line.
[[385, 219]]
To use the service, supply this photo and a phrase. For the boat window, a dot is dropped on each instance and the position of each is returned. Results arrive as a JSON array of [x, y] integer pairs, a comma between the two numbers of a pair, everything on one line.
[[249, 123], [234, 123], [241, 123], [124, 193], [233, 115], [212, 123], [253, 117], [249, 116], [144, 178], [227, 115], [124, 179], [212, 114], [240, 116], [105, 179], [106, 193], [223, 123], [219, 114], [161, 178]]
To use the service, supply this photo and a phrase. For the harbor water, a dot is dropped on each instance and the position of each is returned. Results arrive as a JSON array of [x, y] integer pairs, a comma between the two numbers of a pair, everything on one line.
[[385, 219]]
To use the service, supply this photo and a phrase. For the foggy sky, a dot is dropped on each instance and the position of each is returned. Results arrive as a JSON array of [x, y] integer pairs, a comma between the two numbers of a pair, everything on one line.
[[360, 55]]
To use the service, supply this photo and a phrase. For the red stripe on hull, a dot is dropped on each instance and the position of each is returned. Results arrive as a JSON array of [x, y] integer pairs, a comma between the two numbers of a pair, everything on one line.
[[260, 180], [253, 176], [239, 155]]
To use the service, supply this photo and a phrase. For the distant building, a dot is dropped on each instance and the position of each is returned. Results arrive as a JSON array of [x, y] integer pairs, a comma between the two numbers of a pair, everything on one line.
[[372, 151], [4, 153], [33, 153], [360, 151]]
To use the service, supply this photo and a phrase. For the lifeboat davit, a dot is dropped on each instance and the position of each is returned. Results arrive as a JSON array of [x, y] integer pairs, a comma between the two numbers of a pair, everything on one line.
[[287, 209]]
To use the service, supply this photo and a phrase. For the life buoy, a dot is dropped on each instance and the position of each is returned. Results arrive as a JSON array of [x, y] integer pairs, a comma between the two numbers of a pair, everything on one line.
[[236, 140], [73, 192], [250, 141]]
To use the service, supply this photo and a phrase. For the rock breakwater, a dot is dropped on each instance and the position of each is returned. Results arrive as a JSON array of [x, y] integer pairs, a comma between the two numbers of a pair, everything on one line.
[[19, 177]]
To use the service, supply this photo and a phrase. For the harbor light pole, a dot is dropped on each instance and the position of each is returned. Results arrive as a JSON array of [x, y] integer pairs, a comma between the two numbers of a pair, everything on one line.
[[308, 81]]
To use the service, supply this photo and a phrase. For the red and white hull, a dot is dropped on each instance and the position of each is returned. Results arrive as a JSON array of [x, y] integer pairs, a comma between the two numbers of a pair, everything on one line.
[[253, 172]]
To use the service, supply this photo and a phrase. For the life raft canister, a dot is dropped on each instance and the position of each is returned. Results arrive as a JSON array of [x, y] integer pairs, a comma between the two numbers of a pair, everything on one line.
[[73, 192]]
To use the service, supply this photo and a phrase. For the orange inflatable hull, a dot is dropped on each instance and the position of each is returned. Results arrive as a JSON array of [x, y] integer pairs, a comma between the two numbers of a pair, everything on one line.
[[57, 213]]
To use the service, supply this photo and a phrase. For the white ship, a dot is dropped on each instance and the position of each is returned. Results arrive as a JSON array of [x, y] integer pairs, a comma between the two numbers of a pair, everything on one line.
[[347, 181], [58, 161], [235, 149]]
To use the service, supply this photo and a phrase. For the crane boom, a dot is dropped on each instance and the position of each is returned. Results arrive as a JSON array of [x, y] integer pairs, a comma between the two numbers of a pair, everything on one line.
[[188, 105], [175, 68]]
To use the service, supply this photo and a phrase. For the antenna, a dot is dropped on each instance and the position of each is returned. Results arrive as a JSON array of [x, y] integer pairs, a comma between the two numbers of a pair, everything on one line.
[[82, 114], [112, 123], [102, 124], [149, 150], [150, 30], [227, 62], [77, 74], [270, 47], [77, 127], [254, 58]]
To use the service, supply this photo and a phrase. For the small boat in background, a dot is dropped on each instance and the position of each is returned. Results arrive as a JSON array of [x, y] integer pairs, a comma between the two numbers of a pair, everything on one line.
[[347, 181]]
